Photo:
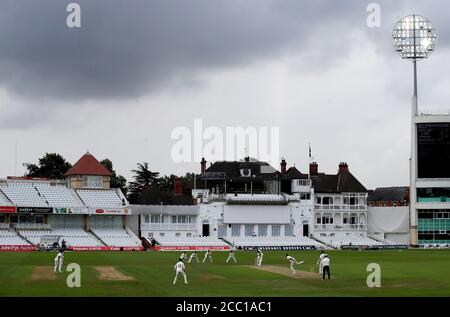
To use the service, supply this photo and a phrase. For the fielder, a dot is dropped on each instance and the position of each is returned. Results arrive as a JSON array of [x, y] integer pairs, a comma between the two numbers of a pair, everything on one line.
[[207, 255], [183, 256], [292, 261], [59, 259], [231, 256], [319, 262], [193, 255], [179, 269], [259, 257]]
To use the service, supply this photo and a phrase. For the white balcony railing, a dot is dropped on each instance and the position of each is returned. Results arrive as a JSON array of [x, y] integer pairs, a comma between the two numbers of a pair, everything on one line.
[[169, 226], [340, 207], [345, 227]]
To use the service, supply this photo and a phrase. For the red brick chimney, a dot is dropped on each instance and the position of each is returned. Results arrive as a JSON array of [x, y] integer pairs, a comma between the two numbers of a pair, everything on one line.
[[178, 187], [343, 167], [283, 167], [313, 168], [203, 166]]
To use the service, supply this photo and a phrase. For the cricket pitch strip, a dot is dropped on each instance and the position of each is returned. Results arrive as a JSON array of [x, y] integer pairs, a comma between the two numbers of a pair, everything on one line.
[[109, 273], [286, 271], [43, 273]]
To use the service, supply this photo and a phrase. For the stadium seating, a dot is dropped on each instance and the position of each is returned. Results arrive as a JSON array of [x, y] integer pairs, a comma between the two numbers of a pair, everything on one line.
[[273, 241], [77, 237], [190, 241], [117, 237], [74, 237], [3, 200], [59, 196], [25, 196], [101, 198], [352, 240], [32, 226], [255, 198], [10, 237]]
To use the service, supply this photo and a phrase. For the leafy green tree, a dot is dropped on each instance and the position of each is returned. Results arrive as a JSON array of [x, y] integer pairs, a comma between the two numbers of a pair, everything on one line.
[[51, 165], [144, 179], [116, 181]]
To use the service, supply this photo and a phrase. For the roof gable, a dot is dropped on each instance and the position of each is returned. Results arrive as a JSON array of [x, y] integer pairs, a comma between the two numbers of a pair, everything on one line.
[[343, 182], [88, 165], [349, 184]]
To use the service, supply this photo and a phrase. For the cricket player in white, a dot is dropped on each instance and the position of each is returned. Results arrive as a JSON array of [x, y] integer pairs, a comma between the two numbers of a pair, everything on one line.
[[183, 256], [259, 257], [59, 259], [292, 261], [179, 269], [207, 255], [319, 261], [193, 255], [231, 256]]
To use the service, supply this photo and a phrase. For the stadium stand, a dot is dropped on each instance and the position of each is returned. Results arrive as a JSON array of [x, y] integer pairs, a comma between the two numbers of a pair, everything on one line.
[[77, 237], [255, 198], [117, 237], [4, 200], [102, 198], [59, 196], [351, 240], [273, 242], [10, 237], [25, 196], [191, 241], [74, 237]]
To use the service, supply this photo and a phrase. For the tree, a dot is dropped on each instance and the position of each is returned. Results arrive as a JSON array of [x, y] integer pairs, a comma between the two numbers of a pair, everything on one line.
[[143, 180], [166, 183], [51, 165], [116, 181]]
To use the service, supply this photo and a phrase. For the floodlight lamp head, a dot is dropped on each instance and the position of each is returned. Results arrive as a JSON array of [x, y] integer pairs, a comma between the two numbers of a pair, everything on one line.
[[414, 37]]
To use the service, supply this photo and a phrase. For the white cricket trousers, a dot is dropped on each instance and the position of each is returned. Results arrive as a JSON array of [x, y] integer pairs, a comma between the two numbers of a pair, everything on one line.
[[292, 267], [176, 276], [231, 257], [58, 266], [259, 260], [206, 256]]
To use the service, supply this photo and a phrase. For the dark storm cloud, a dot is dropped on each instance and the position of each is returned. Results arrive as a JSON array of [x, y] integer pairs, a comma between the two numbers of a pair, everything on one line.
[[129, 48], [126, 49]]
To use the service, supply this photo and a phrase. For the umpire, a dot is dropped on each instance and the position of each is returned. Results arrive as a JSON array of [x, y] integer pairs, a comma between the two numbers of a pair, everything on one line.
[[325, 266]]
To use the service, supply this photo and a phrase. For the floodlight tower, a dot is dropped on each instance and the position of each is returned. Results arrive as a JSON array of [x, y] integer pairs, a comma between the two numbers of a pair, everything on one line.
[[414, 39]]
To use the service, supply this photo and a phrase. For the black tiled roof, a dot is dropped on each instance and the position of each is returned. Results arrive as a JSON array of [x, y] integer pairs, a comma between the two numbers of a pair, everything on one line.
[[294, 173], [389, 194], [343, 182], [232, 169]]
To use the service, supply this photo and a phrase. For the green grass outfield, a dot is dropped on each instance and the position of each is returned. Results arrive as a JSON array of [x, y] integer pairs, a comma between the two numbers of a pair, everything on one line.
[[403, 273]]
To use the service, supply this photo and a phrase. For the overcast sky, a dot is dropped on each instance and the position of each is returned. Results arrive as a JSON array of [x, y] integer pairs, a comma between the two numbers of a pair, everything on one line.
[[136, 70]]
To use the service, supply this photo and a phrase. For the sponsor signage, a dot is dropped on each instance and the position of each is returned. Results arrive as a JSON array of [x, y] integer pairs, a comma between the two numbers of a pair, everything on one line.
[[35, 210], [106, 248], [17, 248], [377, 247], [279, 248], [110, 211], [190, 248], [8, 209], [71, 210]]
